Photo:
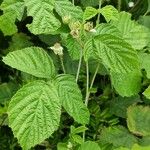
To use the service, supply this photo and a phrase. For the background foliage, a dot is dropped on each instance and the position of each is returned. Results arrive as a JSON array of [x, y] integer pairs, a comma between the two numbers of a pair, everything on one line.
[[74, 75]]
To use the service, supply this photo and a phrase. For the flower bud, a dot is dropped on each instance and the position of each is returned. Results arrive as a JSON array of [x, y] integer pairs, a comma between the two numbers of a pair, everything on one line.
[[88, 26], [58, 49]]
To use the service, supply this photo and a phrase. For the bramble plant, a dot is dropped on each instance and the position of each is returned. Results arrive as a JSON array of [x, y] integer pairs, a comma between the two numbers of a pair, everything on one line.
[[78, 74]]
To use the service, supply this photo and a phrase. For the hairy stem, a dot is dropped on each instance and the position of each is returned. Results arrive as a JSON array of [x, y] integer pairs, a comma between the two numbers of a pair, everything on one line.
[[73, 2], [62, 64], [89, 88], [119, 5], [98, 17], [87, 84], [79, 66]]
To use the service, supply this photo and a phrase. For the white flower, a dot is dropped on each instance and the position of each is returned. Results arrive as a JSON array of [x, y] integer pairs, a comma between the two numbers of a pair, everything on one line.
[[58, 49], [93, 30], [131, 4]]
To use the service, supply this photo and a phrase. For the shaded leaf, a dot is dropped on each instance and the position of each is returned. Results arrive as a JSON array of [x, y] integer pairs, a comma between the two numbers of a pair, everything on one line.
[[138, 120]]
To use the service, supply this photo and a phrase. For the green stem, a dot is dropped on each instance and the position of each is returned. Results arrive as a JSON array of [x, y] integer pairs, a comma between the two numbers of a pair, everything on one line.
[[73, 2], [79, 66], [146, 13], [89, 88], [62, 64], [87, 84], [98, 17], [119, 5]]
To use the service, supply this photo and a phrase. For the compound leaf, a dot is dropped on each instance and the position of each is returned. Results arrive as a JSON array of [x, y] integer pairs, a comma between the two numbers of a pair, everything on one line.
[[32, 60], [34, 113]]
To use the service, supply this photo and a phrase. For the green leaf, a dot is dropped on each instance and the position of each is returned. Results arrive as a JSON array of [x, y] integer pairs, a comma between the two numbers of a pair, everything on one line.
[[106, 28], [73, 47], [115, 53], [44, 21], [127, 84], [32, 60], [71, 98], [109, 12], [138, 120], [6, 91], [121, 148], [7, 24], [78, 129], [132, 32], [138, 147], [62, 146], [118, 106], [89, 145], [146, 93], [145, 63], [34, 113], [15, 7], [145, 141], [118, 136], [145, 20], [19, 41], [148, 9], [66, 9], [77, 138], [89, 2], [89, 13]]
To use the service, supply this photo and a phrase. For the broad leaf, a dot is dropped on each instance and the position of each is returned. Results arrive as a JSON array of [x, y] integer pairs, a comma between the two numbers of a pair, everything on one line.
[[32, 60], [34, 113], [118, 136], [15, 7], [115, 53], [73, 47], [109, 12], [106, 28], [127, 84], [66, 9], [138, 120], [145, 61], [71, 98], [132, 32], [90, 2], [89, 145], [102, 28], [44, 21], [89, 13], [7, 24], [6, 91], [118, 106], [19, 41], [138, 147], [147, 92]]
